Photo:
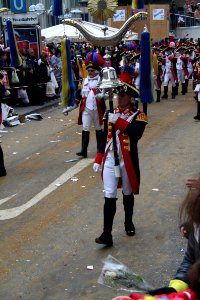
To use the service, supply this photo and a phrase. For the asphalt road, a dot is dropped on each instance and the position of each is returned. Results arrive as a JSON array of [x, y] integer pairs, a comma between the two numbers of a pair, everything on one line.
[[51, 210]]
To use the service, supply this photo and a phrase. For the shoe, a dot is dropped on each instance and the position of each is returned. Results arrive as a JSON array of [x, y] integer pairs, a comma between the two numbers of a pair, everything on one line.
[[3, 174], [84, 155], [105, 239], [130, 229], [197, 118]]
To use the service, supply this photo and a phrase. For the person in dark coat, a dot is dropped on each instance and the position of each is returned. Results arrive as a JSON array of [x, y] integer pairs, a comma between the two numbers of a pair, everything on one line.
[[190, 211], [32, 78], [129, 125]]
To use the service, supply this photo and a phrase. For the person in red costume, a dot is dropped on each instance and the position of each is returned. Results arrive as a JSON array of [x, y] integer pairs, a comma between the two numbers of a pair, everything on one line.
[[129, 125]]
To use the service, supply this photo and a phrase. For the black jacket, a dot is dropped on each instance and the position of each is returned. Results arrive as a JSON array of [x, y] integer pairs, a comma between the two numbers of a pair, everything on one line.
[[192, 254]]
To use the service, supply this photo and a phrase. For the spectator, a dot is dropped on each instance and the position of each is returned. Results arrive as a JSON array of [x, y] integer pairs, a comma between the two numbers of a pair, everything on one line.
[[43, 73], [190, 212], [31, 76], [187, 8], [56, 64], [193, 6], [197, 14], [173, 12]]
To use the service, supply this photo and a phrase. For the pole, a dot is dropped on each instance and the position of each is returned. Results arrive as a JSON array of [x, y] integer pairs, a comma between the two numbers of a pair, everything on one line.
[[116, 168]]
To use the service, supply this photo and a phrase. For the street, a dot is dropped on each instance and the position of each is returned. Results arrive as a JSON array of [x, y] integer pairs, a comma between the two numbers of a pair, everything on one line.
[[51, 205]]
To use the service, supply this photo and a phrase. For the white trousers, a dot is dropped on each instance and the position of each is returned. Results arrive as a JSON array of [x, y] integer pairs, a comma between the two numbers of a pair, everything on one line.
[[89, 117], [110, 181], [167, 78], [181, 76]]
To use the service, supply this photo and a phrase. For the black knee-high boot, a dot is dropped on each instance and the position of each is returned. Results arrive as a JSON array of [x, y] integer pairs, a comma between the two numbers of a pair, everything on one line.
[[186, 85], [173, 92], [2, 167], [85, 143], [197, 117], [165, 96], [109, 213], [158, 95], [183, 88], [128, 201], [177, 86], [99, 137]]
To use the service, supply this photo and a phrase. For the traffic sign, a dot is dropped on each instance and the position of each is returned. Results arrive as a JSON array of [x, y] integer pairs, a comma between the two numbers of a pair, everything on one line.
[[18, 6]]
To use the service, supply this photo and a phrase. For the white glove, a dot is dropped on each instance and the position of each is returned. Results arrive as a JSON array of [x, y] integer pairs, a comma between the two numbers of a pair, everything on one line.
[[101, 95], [68, 109], [96, 167], [112, 118]]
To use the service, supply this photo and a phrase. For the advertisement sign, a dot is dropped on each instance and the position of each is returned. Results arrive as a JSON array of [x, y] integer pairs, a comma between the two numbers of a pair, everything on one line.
[[21, 19], [158, 14], [119, 15], [26, 37], [18, 6]]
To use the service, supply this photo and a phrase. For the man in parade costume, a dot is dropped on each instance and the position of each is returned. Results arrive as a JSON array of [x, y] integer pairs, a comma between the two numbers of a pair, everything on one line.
[[129, 124], [169, 72], [92, 107], [181, 67]]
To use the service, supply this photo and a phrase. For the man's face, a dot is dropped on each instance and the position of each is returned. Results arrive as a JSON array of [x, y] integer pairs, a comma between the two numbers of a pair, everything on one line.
[[124, 100], [91, 73]]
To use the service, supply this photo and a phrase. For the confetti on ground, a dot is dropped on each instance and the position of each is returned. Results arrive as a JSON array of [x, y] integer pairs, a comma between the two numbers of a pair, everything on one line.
[[15, 153], [83, 186], [56, 141], [90, 267], [67, 151], [71, 160], [78, 132], [58, 184], [155, 190], [74, 179]]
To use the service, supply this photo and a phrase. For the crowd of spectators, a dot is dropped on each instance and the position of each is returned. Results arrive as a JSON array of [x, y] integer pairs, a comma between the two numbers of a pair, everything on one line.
[[27, 84], [189, 16]]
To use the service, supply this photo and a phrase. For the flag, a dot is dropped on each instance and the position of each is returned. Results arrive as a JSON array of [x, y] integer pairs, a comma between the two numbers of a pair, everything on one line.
[[146, 92], [16, 60], [58, 7], [68, 85]]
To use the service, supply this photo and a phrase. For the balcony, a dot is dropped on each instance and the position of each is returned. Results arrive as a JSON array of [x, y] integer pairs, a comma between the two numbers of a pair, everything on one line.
[[181, 20]]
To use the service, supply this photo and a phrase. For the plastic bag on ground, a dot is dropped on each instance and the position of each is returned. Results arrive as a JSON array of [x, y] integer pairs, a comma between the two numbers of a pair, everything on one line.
[[116, 275]]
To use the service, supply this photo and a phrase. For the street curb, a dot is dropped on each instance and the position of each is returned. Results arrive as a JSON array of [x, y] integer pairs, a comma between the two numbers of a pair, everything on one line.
[[23, 111]]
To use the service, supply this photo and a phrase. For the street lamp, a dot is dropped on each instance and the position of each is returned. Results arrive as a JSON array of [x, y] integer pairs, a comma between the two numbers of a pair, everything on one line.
[[38, 8]]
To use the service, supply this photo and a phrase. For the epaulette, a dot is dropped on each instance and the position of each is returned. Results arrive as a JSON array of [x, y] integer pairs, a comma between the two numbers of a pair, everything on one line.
[[142, 117]]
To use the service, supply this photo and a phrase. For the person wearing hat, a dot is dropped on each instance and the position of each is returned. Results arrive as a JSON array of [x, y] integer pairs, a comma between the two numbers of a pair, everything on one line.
[[128, 124], [197, 97], [169, 73], [182, 72], [92, 105]]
